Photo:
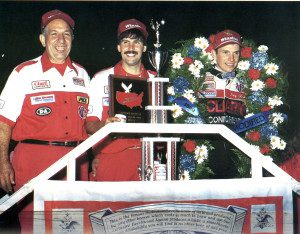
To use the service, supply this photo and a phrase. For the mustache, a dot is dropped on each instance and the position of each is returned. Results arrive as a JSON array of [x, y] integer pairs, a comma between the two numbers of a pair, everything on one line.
[[131, 52]]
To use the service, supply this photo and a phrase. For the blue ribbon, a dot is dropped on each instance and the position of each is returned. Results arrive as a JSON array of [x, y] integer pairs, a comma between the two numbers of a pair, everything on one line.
[[185, 104], [251, 122], [228, 75]]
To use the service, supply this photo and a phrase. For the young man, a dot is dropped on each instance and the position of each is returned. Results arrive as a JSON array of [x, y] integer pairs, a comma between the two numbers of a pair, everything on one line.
[[224, 95], [43, 107], [118, 159]]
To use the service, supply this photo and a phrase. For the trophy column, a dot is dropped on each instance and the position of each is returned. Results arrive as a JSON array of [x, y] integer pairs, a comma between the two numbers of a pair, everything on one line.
[[158, 153]]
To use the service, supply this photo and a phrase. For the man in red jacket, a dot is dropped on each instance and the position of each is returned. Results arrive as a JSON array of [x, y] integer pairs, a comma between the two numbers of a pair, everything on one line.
[[118, 159], [43, 107]]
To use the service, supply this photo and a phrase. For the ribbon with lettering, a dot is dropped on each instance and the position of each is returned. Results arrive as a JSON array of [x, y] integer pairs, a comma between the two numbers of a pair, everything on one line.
[[251, 122], [188, 106]]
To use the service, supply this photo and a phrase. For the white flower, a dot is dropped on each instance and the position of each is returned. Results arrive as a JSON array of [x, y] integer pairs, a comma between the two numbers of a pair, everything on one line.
[[177, 111], [263, 48], [195, 68], [201, 153], [271, 68], [257, 85], [185, 176], [274, 101], [282, 145], [177, 60], [243, 65], [208, 54], [170, 90], [277, 143], [201, 42], [277, 118], [188, 94]]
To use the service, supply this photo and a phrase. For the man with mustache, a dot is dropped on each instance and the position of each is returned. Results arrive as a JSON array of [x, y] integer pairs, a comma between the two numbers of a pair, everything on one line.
[[224, 95], [43, 107], [118, 159]]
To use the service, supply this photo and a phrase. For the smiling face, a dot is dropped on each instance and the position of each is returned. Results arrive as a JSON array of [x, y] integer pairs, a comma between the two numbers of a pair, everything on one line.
[[57, 39], [227, 57], [131, 50]]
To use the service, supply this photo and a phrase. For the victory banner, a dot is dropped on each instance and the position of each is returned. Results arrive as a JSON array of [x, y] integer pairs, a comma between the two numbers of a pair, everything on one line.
[[206, 206]]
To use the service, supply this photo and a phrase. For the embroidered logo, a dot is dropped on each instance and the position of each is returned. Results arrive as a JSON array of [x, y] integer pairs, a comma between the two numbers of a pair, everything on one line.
[[40, 84], [42, 99], [42, 111], [83, 100], [82, 111], [78, 81]]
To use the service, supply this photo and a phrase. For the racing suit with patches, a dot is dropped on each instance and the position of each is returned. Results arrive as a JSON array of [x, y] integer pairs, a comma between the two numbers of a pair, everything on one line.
[[224, 97], [44, 102], [119, 157]]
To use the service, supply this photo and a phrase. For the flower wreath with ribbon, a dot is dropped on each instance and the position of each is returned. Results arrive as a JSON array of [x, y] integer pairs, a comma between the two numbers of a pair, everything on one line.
[[266, 93]]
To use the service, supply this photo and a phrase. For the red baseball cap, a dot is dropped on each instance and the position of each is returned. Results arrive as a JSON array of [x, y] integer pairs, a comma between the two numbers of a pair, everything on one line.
[[132, 24], [56, 14], [226, 37]]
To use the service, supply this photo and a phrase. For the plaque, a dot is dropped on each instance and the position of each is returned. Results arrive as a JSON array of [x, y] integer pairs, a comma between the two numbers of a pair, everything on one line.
[[129, 96]]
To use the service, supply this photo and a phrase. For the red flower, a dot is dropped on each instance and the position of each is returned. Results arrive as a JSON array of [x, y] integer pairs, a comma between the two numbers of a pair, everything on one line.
[[187, 60], [246, 52], [265, 149], [253, 136], [265, 108], [253, 74], [271, 83], [190, 146], [212, 38]]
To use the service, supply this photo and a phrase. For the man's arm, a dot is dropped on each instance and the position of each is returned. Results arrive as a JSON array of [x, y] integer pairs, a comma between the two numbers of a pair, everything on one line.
[[93, 126], [6, 170]]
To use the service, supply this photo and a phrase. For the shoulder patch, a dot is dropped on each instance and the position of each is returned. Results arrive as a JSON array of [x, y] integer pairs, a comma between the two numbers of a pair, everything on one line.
[[22, 65]]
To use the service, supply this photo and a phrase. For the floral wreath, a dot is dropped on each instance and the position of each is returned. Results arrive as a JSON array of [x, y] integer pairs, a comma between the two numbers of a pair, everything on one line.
[[266, 87]]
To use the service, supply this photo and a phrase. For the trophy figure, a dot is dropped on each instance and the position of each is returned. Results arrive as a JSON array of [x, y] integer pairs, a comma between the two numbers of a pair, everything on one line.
[[157, 57]]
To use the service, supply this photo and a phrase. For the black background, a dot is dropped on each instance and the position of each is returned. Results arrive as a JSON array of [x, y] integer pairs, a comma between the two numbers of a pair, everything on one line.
[[275, 24]]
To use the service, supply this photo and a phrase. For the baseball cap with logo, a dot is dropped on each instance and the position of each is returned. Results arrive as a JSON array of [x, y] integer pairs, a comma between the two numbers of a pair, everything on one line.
[[56, 14], [226, 37], [132, 24]]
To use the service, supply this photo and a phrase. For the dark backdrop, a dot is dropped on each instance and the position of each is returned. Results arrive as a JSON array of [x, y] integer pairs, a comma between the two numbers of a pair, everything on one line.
[[275, 24]]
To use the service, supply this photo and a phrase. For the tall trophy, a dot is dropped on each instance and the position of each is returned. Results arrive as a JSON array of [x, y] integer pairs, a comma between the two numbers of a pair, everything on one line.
[[157, 57], [158, 153]]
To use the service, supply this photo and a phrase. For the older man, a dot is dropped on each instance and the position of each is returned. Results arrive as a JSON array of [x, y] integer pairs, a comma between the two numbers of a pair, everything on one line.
[[43, 107]]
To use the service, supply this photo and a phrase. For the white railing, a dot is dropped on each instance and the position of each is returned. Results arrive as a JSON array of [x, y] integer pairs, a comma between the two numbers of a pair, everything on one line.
[[258, 161]]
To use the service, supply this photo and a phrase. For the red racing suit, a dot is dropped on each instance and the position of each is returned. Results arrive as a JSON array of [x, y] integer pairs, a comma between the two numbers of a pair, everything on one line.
[[119, 158], [48, 102]]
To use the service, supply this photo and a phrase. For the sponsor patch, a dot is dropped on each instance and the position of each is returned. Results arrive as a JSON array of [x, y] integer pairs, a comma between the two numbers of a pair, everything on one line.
[[82, 111], [42, 99], [40, 84], [83, 100], [78, 81], [106, 89], [105, 101], [2, 102], [44, 110]]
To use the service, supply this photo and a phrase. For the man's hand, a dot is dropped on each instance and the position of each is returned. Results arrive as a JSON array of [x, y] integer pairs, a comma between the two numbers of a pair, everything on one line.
[[7, 176]]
